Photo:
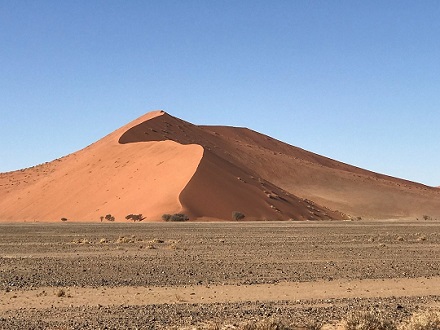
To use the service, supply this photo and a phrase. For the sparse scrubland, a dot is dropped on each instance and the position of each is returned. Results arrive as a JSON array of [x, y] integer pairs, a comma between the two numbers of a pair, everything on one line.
[[360, 320], [354, 275]]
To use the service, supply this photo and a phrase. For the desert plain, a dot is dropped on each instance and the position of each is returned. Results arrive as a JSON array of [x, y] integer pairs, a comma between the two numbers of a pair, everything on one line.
[[214, 275], [316, 241]]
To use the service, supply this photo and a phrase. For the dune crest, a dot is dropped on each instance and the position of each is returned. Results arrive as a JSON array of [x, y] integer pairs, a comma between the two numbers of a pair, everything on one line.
[[161, 164]]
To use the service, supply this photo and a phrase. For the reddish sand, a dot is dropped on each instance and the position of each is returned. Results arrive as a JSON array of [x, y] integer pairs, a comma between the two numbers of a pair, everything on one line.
[[46, 297], [160, 164]]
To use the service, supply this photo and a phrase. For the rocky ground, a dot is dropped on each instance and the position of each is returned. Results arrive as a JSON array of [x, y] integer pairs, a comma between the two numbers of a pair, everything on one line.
[[51, 274]]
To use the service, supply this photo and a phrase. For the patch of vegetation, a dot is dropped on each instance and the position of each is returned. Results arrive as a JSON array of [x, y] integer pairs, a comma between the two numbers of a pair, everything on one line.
[[123, 239], [175, 217], [426, 320], [81, 241], [426, 217], [157, 241], [359, 320], [109, 217], [135, 217], [262, 324], [166, 217], [237, 216], [63, 219], [368, 320]]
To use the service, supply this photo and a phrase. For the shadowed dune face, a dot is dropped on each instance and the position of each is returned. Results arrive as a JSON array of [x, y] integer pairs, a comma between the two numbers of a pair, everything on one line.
[[160, 164], [336, 185], [220, 187]]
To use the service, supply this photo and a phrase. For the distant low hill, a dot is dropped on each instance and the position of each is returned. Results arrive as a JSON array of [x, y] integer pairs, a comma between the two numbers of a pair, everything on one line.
[[159, 164]]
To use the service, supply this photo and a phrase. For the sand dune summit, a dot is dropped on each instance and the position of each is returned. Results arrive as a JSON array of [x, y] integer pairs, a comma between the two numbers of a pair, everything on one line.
[[160, 164]]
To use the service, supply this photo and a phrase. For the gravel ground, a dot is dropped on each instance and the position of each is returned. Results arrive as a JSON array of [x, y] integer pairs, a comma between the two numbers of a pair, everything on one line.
[[175, 316], [171, 254]]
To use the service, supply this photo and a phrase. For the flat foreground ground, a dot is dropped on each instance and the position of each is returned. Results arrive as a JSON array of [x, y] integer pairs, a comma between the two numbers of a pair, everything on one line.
[[185, 275]]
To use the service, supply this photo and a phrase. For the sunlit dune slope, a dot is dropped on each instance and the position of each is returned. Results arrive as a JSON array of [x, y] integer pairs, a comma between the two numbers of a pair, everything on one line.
[[106, 177]]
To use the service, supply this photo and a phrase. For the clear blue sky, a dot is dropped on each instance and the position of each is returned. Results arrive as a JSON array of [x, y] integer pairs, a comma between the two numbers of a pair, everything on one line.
[[357, 81]]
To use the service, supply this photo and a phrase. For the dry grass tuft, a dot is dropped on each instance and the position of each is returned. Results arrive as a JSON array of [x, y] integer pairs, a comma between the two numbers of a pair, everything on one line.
[[81, 241], [266, 324], [123, 239], [369, 320], [263, 324], [426, 320], [358, 320], [157, 241]]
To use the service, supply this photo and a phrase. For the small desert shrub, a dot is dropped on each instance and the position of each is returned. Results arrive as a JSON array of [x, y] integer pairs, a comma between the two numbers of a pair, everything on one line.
[[237, 215], [166, 217], [179, 217], [157, 241], [427, 320], [135, 217], [81, 241], [109, 217], [63, 219], [369, 320], [426, 217], [123, 239], [175, 217]]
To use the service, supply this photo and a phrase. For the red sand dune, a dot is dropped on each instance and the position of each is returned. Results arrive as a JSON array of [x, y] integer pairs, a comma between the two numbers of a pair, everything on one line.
[[160, 164]]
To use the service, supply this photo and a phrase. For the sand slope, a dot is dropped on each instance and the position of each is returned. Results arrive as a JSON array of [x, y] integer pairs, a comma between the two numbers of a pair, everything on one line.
[[160, 164], [352, 190], [106, 177]]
